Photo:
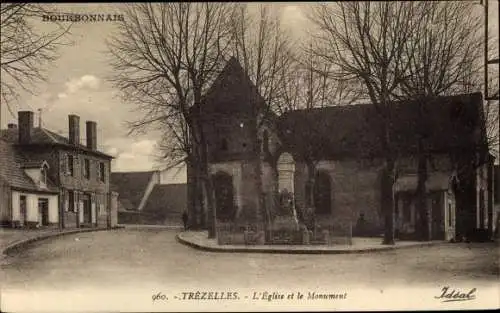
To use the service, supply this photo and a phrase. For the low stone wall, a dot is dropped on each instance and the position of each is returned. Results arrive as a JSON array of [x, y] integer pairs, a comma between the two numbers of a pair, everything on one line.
[[233, 234]]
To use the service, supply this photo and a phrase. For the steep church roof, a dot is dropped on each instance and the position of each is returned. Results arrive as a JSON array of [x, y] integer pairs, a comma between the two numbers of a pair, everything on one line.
[[232, 91], [452, 122]]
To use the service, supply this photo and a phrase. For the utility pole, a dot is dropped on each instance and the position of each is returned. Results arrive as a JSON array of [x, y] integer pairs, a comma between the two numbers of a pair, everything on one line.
[[486, 49], [487, 61]]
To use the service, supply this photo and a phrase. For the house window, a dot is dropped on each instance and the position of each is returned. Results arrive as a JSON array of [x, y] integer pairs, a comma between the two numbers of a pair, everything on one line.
[[322, 193], [102, 204], [70, 169], [102, 172], [223, 144], [86, 169], [43, 176], [71, 201]]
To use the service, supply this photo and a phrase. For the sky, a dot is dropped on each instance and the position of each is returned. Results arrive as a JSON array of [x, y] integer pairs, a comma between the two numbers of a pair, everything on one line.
[[76, 85]]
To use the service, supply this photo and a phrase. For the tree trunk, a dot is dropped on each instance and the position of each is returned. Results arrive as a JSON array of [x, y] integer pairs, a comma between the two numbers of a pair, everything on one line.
[[210, 201], [491, 185], [388, 176], [310, 185], [425, 226], [192, 194], [262, 208], [388, 200], [208, 190]]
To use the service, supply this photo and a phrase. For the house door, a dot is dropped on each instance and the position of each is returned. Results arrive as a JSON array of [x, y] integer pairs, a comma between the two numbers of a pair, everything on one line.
[[87, 209], [43, 209], [22, 210]]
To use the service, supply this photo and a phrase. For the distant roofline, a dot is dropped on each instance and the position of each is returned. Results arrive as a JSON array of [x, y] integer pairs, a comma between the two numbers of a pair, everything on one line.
[[132, 172], [346, 105], [53, 136]]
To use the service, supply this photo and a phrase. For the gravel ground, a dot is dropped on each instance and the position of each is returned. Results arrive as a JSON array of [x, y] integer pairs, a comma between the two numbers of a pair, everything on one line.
[[147, 257]]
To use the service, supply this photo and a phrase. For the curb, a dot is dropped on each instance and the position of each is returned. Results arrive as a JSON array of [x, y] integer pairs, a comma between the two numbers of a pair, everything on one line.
[[17, 245], [292, 251]]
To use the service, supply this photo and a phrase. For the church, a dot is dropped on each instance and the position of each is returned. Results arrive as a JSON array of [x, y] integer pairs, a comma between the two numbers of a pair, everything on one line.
[[329, 161]]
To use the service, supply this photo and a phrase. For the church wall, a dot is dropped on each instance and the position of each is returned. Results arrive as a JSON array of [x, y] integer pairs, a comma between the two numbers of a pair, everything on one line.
[[249, 191], [245, 190], [355, 189]]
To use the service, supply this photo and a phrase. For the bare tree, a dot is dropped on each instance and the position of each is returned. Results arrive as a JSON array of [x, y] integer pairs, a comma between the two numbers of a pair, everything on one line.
[[263, 48], [400, 51], [164, 57], [366, 41], [265, 51], [444, 57], [25, 49]]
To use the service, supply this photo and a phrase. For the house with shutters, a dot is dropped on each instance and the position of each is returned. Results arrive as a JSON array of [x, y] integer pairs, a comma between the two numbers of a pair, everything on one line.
[[329, 160], [48, 179]]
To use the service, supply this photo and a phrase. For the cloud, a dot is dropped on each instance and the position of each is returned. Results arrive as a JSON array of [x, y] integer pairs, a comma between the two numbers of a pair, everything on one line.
[[138, 155], [86, 81]]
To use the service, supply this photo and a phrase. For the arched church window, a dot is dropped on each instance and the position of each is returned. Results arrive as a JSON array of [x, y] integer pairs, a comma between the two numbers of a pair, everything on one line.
[[322, 193], [223, 144], [224, 196]]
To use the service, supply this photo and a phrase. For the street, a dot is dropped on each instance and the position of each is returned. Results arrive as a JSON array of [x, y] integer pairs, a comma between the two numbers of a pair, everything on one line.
[[148, 257]]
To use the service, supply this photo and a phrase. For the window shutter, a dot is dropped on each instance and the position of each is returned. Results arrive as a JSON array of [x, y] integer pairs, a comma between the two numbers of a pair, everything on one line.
[[66, 200], [82, 167], [75, 200], [65, 164]]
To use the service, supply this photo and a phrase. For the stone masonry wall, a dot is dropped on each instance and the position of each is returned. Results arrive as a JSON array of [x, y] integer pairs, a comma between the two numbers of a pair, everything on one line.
[[355, 190]]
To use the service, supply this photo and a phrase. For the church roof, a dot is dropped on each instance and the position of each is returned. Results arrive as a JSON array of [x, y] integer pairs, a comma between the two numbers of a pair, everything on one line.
[[232, 91], [346, 131]]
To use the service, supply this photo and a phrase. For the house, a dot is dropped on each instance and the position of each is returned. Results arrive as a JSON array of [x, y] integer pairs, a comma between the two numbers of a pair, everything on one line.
[[145, 199], [331, 159], [66, 182], [28, 196]]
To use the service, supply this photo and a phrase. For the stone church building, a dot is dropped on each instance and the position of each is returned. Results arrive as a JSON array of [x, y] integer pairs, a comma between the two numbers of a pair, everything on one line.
[[330, 159]]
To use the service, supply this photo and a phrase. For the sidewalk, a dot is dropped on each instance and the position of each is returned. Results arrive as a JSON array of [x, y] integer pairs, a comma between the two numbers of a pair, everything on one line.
[[11, 239], [199, 240]]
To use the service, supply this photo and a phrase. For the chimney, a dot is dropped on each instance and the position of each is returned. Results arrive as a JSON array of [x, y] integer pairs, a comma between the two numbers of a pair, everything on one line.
[[25, 121], [12, 126], [91, 135], [74, 129]]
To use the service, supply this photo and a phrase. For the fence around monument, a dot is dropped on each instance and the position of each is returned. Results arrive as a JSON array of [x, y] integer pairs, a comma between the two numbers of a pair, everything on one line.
[[257, 234]]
